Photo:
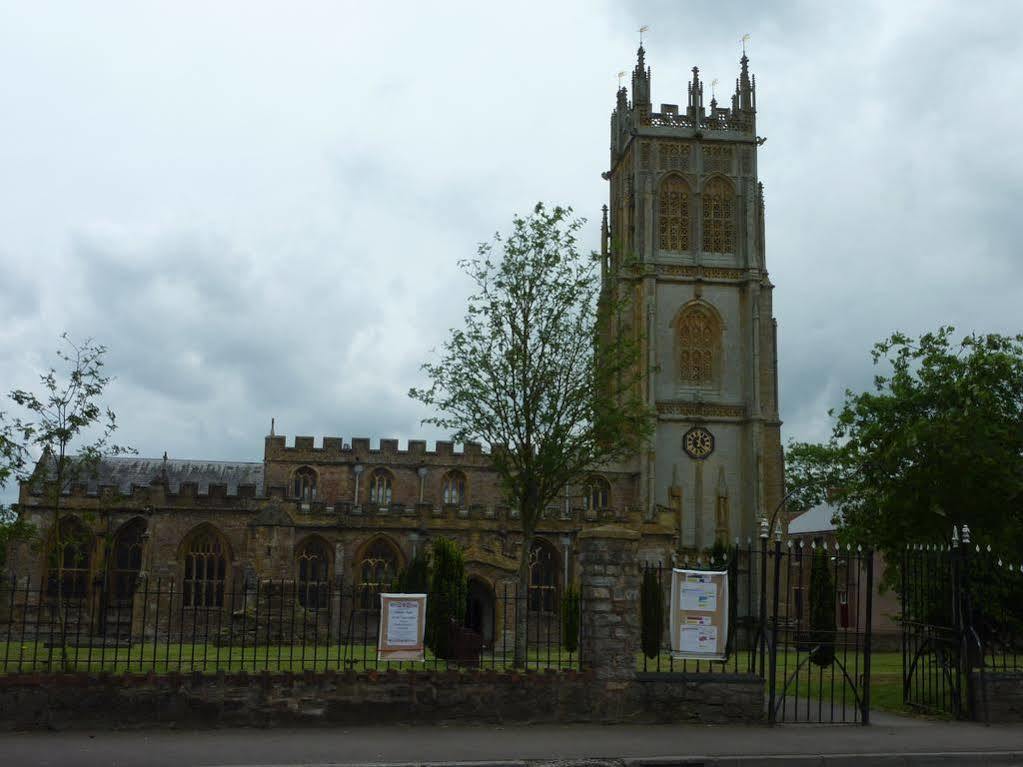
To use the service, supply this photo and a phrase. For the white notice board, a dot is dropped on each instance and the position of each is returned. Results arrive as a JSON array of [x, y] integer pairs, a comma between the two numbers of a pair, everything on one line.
[[402, 627], [699, 614]]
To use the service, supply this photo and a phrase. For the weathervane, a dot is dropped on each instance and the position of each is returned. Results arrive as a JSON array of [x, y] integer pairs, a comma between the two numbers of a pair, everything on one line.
[[620, 76], [744, 40], [643, 29], [713, 83]]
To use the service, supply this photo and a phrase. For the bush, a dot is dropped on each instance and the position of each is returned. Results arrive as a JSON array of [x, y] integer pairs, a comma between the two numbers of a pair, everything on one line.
[[414, 579], [652, 609], [570, 619], [822, 610], [447, 595]]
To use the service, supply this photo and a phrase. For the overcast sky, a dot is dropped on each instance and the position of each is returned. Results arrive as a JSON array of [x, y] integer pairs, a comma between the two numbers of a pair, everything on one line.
[[258, 207]]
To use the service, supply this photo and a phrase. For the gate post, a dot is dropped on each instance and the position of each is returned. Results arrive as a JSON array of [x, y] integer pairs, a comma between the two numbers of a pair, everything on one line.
[[869, 618], [609, 620]]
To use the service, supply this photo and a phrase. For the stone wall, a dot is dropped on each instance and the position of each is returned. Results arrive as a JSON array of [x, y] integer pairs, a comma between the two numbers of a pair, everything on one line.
[[1004, 693], [58, 701]]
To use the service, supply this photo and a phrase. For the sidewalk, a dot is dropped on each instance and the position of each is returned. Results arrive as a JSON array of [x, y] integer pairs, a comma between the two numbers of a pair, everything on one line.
[[891, 741]]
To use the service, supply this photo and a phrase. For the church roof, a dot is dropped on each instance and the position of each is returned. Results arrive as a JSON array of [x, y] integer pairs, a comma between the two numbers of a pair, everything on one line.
[[125, 471]]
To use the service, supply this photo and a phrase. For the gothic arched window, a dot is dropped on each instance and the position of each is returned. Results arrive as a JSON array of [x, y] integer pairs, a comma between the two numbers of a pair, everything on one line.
[[380, 487], [597, 493], [543, 577], [699, 341], [454, 488], [205, 568], [673, 214], [305, 484], [377, 568], [312, 573], [70, 561], [718, 217], [127, 559]]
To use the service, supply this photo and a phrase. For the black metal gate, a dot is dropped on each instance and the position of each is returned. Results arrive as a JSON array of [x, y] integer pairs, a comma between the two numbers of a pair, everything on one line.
[[819, 633], [800, 620], [962, 620]]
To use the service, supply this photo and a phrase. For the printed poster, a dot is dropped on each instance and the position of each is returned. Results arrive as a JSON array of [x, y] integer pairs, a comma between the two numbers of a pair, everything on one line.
[[402, 627], [699, 614]]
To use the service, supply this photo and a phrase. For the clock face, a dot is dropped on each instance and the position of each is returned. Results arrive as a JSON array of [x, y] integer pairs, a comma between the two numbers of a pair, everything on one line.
[[698, 442]]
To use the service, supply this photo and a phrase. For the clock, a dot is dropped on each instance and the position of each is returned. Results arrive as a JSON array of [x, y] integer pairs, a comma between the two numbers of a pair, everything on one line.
[[698, 442]]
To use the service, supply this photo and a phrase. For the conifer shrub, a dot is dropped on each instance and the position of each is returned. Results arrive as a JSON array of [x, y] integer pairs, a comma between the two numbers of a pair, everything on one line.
[[823, 625], [447, 596], [652, 611], [570, 619]]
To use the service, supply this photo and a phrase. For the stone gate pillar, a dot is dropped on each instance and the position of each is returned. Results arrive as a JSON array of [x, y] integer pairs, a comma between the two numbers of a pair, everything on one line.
[[610, 582]]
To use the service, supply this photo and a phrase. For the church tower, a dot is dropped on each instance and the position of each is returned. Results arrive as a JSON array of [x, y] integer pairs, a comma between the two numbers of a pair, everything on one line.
[[683, 247]]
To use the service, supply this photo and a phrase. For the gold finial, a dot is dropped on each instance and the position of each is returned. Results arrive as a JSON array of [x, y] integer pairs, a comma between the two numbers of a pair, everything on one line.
[[621, 75], [744, 40], [643, 29]]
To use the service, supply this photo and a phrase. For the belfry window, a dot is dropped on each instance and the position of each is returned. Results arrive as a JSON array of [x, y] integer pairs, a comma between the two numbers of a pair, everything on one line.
[[718, 217], [673, 215], [699, 340]]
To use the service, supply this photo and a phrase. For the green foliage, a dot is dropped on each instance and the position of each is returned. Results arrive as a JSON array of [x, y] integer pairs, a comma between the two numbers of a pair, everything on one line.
[[415, 578], [936, 444], [652, 612], [570, 619], [823, 625], [525, 374], [447, 596]]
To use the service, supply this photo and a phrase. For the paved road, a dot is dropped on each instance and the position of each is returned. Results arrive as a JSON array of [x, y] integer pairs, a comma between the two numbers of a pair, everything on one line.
[[239, 747]]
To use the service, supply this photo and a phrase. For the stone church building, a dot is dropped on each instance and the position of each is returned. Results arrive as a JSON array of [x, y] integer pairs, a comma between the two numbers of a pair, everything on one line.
[[682, 240]]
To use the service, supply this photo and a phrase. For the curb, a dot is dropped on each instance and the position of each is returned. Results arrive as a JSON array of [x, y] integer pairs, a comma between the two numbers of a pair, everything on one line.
[[964, 758]]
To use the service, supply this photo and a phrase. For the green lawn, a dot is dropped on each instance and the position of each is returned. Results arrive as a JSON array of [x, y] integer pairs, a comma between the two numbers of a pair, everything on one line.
[[159, 657]]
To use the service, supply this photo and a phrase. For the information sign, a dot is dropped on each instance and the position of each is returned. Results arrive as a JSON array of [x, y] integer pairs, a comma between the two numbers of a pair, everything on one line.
[[699, 614], [402, 627]]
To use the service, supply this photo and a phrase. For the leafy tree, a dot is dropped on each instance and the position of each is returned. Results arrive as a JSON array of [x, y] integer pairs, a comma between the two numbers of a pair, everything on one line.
[[68, 427], [651, 600], [822, 610], [527, 376], [12, 461], [447, 596], [936, 444], [570, 605]]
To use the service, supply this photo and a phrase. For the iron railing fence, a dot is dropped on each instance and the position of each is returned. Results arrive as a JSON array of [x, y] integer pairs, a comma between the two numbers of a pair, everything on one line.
[[164, 625]]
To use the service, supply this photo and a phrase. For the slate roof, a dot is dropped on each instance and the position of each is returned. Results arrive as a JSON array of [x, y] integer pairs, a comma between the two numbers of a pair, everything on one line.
[[124, 471], [814, 520]]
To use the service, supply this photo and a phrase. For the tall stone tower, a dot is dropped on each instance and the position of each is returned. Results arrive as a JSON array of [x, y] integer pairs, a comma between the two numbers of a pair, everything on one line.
[[683, 246]]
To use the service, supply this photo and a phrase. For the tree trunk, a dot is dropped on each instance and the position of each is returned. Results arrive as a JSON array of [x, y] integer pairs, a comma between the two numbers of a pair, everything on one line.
[[522, 603]]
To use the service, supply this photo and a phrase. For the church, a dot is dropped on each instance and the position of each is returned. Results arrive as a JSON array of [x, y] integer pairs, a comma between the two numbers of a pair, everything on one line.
[[682, 241]]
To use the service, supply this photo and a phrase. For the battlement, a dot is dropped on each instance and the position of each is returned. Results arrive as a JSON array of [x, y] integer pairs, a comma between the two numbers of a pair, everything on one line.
[[362, 448]]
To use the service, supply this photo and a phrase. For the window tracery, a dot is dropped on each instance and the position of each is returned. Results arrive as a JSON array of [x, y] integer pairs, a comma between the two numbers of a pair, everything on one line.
[[305, 484], [699, 338], [380, 486], [597, 493], [205, 569], [673, 215], [70, 561], [718, 215], [543, 577], [454, 488], [377, 569], [312, 573]]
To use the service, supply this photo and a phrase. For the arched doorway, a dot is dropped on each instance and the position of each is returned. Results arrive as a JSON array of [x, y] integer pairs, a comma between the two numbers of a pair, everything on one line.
[[479, 609]]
